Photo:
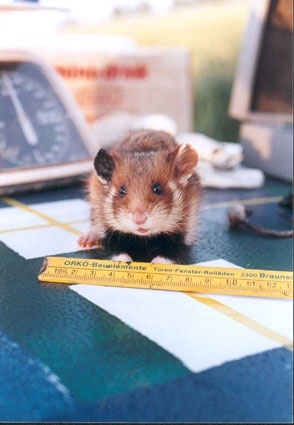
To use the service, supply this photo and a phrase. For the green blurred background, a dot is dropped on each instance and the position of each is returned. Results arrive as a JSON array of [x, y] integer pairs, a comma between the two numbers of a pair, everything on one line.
[[213, 31]]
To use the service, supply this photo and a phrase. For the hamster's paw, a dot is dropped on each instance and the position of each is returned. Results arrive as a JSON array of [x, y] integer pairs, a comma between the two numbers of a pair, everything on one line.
[[123, 256], [89, 240], [162, 260]]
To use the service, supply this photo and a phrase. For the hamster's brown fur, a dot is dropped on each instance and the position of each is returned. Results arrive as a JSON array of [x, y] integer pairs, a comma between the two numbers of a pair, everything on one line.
[[145, 187]]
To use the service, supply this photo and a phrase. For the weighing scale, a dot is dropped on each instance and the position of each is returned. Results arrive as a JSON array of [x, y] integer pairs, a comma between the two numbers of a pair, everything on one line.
[[44, 138]]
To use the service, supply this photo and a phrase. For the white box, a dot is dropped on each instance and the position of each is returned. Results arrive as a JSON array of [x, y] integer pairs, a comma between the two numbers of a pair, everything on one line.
[[268, 147], [138, 81]]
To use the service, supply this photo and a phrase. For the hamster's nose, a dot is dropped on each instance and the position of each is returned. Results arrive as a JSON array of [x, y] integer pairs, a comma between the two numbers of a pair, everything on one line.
[[139, 216]]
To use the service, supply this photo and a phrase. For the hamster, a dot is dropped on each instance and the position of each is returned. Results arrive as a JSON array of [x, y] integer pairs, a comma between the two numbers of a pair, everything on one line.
[[144, 197]]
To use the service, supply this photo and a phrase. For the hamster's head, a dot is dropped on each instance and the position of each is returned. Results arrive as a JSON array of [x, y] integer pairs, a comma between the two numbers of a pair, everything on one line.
[[144, 191]]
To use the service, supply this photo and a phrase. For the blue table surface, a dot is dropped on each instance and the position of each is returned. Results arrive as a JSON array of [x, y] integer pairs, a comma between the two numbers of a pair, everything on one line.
[[64, 358]]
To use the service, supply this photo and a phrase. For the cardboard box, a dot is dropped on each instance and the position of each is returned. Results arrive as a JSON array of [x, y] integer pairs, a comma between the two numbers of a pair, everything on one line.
[[140, 81]]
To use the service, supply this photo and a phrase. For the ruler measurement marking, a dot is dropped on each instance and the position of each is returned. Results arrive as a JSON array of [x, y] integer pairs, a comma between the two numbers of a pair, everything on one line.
[[163, 273], [144, 275], [208, 280]]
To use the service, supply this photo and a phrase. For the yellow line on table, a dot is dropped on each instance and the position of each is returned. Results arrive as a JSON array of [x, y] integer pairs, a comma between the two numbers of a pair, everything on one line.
[[244, 320], [21, 229], [45, 217], [257, 201], [40, 226]]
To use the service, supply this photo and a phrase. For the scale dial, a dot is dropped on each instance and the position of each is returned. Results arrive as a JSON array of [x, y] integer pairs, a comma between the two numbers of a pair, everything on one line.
[[36, 128], [44, 137]]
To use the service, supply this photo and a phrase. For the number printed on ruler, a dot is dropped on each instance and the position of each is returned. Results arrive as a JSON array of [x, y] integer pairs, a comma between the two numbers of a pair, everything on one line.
[[173, 277]]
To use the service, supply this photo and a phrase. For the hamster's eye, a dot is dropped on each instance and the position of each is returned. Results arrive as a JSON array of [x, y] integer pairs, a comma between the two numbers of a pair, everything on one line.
[[157, 189], [122, 191]]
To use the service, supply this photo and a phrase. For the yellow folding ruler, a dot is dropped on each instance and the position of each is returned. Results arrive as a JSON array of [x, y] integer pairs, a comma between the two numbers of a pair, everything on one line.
[[172, 277]]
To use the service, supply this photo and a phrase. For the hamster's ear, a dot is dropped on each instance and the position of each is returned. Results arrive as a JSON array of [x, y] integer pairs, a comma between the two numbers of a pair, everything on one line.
[[184, 159], [104, 166]]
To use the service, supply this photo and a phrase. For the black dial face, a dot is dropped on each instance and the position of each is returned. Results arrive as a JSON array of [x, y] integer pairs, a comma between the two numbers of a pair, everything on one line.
[[35, 127]]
